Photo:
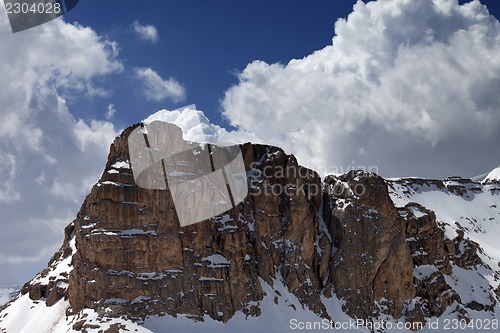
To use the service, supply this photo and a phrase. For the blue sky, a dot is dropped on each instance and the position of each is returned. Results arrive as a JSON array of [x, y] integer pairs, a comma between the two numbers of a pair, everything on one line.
[[202, 44], [407, 88]]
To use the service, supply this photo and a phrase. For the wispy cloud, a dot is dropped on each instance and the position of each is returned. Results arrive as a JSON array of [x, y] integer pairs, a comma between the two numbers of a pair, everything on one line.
[[110, 112], [147, 32], [157, 89], [8, 172]]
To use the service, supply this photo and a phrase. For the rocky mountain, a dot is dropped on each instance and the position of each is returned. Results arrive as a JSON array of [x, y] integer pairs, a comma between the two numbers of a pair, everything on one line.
[[299, 252], [8, 293]]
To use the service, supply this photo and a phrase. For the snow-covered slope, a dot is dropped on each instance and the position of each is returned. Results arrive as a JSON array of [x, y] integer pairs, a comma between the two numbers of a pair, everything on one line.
[[8, 293], [281, 312], [493, 176], [471, 208], [460, 205]]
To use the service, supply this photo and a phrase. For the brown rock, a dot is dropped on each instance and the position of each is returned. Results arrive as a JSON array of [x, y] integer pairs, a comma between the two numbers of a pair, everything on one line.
[[372, 263], [425, 238], [428, 246], [55, 294], [133, 258], [172, 269]]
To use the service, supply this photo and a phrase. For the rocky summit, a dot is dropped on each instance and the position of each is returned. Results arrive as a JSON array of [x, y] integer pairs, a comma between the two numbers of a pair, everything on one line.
[[346, 247]]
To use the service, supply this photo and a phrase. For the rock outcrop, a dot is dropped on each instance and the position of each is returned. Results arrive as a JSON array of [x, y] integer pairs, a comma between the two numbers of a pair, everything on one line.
[[128, 255], [372, 251], [134, 257]]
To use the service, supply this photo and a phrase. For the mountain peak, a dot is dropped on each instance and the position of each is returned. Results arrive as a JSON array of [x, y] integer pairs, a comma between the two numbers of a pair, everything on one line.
[[352, 246], [493, 176]]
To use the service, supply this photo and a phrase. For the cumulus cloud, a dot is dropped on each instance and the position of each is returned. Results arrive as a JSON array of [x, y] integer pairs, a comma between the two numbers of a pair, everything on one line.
[[146, 32], [48, 158], [155, 88], [197, 127], [408, 87]]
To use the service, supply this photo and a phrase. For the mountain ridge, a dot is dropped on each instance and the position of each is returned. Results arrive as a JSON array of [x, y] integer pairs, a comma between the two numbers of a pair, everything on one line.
[[8, 293], [392, 252], [493, 175]]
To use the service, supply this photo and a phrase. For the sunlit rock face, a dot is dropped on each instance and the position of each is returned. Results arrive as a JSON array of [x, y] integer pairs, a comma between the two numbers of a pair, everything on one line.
[[403, 248]]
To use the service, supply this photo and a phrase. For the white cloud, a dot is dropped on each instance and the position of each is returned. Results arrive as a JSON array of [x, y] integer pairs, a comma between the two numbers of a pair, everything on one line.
[[8, 172], [41, 255], [98, 133], [411, 87], [110, 112], [196, 126], [146, 32], [48, 158], [157, 89]]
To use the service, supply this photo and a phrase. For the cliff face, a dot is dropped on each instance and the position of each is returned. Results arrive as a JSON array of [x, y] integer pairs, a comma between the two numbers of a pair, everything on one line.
[[131, 246], [372, 265], [356, 236]]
